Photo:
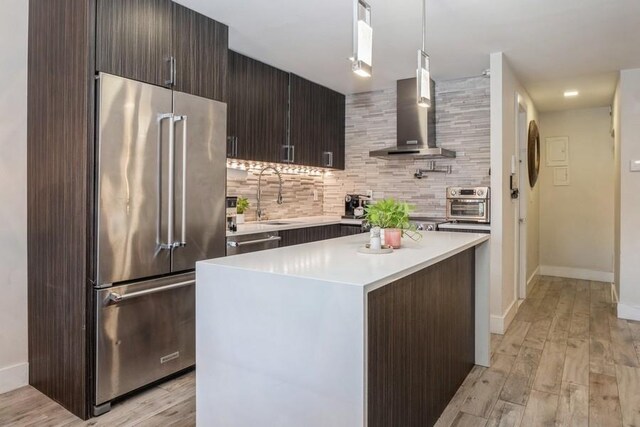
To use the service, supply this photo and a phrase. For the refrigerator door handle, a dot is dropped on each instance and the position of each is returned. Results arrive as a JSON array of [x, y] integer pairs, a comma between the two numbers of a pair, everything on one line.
[[171, 190], [168, 244], [183, 231], [115, 297]]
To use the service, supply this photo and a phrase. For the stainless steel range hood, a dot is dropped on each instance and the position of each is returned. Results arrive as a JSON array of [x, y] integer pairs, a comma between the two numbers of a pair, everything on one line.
[[416, 127]]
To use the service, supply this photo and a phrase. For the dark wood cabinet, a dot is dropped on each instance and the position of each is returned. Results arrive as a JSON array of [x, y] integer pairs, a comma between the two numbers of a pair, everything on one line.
[[162, 43], [133, 39], [421, 342], [199, 45], [257, 109], [317, 124], [299, 236]]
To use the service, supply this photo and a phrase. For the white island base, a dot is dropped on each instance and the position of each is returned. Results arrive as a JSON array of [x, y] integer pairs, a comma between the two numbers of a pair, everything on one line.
[[282, 335]]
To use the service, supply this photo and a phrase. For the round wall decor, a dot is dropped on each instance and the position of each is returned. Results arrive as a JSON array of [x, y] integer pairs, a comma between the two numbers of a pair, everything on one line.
[[533, 153]]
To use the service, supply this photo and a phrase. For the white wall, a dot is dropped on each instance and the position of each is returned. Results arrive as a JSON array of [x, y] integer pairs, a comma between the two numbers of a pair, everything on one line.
[[13, 194], [504, 90], [629, 103], [616, 193], [577, 220]]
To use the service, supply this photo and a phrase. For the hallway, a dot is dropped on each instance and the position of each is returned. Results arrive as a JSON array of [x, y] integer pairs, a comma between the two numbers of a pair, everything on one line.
[[565, 360]]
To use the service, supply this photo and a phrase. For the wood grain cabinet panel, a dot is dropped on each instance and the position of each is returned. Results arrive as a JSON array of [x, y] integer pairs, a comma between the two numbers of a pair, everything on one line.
[[300, 236], [317, 124], [257, 109], [199, 45], [133, 39], [420, 342], [59, 182]]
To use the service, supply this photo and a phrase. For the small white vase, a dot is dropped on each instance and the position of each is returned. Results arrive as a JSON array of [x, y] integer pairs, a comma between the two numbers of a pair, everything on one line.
[[240, 218]]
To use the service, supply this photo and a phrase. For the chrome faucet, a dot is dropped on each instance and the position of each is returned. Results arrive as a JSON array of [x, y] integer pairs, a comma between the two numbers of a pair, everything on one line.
[[279, 200]]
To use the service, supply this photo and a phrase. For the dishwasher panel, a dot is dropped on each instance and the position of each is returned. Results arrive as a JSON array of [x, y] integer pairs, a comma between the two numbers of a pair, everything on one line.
[[252, 242]]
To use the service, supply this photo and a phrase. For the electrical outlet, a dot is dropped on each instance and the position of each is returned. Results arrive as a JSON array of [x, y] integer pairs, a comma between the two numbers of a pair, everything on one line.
[[315, 195], [634, 165], [370, 194]]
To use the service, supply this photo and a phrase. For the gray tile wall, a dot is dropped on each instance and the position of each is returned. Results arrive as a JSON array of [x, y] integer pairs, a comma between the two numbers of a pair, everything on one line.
[[297, 193], [463, 121]]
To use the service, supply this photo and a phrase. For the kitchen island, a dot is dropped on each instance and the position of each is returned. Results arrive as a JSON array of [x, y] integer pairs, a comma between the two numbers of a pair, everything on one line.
[[321, 335]]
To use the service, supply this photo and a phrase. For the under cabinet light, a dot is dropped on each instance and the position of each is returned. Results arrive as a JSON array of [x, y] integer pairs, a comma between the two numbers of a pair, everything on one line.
[[361, 62], [571, 93]]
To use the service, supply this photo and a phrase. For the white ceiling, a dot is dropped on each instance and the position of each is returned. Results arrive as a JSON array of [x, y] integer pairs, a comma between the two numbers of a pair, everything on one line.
[[552, 45]]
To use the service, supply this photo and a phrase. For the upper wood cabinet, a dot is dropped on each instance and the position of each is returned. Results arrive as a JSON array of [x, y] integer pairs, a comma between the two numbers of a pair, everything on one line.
[[133, 39], [317, 124], [162, 43], [200, 50], [257, 110]]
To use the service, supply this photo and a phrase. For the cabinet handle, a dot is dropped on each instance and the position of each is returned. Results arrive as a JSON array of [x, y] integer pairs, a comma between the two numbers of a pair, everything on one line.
[[172, 71], [286, 154], [231, 146], [293, 153], [235, 147], [328, 158]]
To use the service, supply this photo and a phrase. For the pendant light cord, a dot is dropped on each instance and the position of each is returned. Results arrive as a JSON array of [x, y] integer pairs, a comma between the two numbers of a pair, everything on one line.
[[424, 25]]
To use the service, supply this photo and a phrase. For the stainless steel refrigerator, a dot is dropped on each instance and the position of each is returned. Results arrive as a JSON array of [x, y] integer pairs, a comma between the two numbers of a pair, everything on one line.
[[160, 198]]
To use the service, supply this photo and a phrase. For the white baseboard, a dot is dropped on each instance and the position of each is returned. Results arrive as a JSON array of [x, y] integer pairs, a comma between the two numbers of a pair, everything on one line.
[[533, 279], [13, 377], [628, 312], [576, 273], [499, 324]]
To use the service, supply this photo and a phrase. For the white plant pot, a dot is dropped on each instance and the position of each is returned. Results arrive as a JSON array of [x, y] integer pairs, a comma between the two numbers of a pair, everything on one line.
[[240, 219]]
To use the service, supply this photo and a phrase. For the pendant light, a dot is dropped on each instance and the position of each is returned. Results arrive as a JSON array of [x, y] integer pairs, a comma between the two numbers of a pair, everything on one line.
[[423, 71], [362, 39]]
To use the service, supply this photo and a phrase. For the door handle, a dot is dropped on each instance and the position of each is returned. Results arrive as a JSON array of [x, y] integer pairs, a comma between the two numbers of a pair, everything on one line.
[[183, 225], [168, 244], [172, 71], [115, 297], [234, 244]]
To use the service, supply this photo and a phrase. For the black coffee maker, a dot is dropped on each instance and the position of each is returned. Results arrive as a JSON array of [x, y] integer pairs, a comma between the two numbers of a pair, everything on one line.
[[354, 205]]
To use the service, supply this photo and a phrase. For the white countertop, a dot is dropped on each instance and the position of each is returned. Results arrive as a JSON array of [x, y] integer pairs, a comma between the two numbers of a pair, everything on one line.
[[291, 224], [337, 260]]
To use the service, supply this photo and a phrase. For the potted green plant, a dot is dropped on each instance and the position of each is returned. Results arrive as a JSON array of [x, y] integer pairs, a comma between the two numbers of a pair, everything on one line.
[[241, 207], [393, 218]]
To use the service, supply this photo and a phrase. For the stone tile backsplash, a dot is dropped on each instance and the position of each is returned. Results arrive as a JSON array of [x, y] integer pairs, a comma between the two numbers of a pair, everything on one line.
[[463, 125]]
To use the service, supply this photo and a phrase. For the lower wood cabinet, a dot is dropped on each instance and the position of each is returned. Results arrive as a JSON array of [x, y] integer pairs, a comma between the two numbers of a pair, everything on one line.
[[313, 234], [421, 342]]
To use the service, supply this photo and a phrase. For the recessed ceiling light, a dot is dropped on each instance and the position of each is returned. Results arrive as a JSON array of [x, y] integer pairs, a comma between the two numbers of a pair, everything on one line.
[[570, 93]]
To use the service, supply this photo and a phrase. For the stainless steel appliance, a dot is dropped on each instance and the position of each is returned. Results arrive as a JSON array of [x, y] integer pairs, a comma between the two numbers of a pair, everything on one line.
[[245, 243], [426, 223], [160, 208], [232, 213], [416, 127], [469, 204], [354, 205], [465, 227]]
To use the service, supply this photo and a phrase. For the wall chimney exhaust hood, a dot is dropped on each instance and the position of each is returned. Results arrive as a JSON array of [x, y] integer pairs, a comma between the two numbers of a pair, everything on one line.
[[416, 127]]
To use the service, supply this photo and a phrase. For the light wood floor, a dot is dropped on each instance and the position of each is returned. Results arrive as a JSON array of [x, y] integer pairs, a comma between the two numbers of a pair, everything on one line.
[[170, 404], [566, 360]]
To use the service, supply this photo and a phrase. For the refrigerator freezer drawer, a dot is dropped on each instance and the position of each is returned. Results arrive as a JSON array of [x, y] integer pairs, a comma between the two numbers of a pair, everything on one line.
[[145, 332]]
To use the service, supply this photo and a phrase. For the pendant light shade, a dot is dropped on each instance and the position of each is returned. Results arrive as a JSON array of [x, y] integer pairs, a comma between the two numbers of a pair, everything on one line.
[[362, 39], [423, 80]]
